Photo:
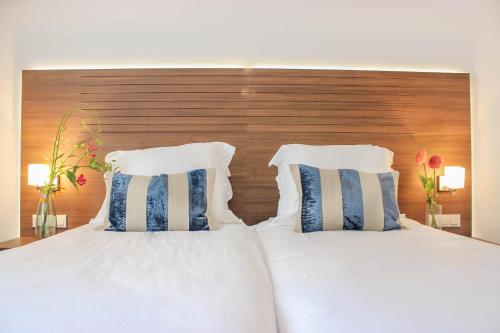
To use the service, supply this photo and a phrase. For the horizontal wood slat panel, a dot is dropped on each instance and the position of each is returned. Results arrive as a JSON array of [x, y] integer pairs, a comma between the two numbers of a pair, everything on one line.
[[380, 115], [246, 80], [227, 88], [241, 96], [228, 128], [257, 111], [247, 120], [297, 105]]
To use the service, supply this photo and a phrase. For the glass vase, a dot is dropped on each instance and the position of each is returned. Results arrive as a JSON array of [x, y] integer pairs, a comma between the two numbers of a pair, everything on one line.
[[46, 221], [433, 213]]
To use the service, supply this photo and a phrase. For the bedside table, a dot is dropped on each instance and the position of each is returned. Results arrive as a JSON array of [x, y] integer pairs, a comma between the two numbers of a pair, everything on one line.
[[16, 242]]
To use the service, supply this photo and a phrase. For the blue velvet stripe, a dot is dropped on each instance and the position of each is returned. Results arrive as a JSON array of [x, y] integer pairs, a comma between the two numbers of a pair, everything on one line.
[[312, 213], [157, 204], [197, 181], [118, 202], [391, 208], [352, 199]]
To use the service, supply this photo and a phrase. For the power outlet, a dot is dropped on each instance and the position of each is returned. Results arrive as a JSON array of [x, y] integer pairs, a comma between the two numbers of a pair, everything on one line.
[[61, 221], [450, 220], [454, 220]]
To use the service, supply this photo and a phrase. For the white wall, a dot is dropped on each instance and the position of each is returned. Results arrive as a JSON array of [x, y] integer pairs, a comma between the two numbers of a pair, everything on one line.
[[486, 126], [446, 35]]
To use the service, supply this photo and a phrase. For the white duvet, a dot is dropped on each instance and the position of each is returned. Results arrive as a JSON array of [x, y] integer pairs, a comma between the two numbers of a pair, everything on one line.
[[413, 280], [95, 281]]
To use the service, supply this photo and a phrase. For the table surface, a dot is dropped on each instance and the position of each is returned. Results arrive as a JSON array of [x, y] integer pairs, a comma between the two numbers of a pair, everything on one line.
[[16, 242]]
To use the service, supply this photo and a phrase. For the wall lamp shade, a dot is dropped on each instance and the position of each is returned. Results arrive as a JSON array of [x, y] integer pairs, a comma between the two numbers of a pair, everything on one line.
[[38, 175], [453, 179]]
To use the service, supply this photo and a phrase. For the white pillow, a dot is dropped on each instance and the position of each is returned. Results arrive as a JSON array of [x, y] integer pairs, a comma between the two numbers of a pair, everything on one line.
[[179, 159], [366, 158]]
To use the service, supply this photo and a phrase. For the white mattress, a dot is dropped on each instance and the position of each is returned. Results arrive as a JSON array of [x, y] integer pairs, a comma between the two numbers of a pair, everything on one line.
[[95, 281], [413, 280]]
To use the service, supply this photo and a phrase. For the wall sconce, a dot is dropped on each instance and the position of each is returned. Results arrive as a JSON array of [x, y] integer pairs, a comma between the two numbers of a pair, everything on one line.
[[38, 175], [452, 180]]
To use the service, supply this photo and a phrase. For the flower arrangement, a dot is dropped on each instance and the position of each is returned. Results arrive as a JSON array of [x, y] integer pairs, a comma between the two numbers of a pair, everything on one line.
[[429, 181], [67, 160]]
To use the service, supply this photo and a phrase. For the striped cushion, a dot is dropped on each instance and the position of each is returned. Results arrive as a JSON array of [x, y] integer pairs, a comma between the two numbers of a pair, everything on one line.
[[160, 203], [345, 199]]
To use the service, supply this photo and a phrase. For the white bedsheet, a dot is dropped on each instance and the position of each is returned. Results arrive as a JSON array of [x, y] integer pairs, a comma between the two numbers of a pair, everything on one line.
[[95, 281], [413, 280]]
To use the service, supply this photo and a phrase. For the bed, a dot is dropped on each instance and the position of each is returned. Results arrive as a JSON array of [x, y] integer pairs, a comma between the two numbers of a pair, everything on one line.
[[215, 284], [87, 280], [416, 279]]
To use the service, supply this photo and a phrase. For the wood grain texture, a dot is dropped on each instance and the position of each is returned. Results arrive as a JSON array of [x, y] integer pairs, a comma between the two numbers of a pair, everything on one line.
[[256, 110], [17, 242]]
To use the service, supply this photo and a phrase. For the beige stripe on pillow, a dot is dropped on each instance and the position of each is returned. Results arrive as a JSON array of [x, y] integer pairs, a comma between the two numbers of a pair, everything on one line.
[[108, 180], [210, 185], [333, 212], [178, 202], [294, 169], [373, 205], [395, 176], [137, 195]]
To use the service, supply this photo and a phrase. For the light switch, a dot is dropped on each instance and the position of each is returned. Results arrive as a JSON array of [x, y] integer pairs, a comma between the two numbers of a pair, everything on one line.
[[61, 221]]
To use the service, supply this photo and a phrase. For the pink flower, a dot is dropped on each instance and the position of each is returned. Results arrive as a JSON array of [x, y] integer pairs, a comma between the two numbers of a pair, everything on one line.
[[90, 147], [81, 180], [435, 162], [421, 157]]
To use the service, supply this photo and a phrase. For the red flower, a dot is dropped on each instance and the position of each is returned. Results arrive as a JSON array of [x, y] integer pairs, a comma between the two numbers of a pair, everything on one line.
[[81, 180], [421, 157], [90, 147], [435, 162]]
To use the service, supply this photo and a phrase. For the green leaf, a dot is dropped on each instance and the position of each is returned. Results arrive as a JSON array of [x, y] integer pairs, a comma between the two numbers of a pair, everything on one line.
[[422, 179], [98, 140], [94, 165], [71, 175], [429, 187], [108, 166], [80, 144]]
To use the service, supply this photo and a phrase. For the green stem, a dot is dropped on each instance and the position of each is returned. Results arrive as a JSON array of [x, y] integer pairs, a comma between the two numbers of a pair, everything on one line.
[[433, 215], [55, 151], [428, 194], [45, 213], [434, 180]]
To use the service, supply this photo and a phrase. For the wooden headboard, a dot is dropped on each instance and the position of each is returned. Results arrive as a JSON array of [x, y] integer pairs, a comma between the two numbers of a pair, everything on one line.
[[256, 110]]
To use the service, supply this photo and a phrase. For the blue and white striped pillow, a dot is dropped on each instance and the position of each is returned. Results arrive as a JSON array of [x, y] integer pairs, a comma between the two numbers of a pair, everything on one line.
[[160, 203], [345, 199]]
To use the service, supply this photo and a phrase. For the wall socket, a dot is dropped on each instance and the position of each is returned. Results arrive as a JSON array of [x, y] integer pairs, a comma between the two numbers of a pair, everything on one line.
[[61, 221], [448, 220]]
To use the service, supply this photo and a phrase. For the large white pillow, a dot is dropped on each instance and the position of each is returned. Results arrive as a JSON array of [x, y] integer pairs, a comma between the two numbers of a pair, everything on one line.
[[179, 159], [365, 158]]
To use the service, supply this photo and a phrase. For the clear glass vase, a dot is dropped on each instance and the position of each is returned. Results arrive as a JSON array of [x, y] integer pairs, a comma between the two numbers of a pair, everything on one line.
[[46, 221], [433, 213]]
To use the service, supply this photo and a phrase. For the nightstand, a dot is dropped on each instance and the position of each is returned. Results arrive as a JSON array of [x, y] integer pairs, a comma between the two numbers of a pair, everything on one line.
[[16, 242]]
